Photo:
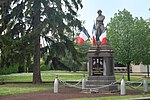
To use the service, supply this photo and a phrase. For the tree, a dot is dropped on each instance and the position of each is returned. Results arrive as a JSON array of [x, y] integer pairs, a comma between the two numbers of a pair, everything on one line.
[[83, 49], [11, 29], [41, 17], [146, 55], [127, 37]]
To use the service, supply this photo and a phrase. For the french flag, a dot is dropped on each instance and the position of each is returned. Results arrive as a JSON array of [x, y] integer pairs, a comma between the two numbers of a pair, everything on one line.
[[94, 35], [103, 38], [84, 35]]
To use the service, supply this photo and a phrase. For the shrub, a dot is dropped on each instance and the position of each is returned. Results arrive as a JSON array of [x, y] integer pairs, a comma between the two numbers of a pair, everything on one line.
[[8, 70]]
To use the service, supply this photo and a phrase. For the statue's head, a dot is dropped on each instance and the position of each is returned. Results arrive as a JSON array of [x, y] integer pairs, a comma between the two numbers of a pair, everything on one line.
[[99, 11]]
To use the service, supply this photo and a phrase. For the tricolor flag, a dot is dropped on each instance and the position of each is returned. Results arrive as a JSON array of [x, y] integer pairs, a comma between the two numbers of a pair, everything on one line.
[[94, 35], [103, 38], [84, 35]]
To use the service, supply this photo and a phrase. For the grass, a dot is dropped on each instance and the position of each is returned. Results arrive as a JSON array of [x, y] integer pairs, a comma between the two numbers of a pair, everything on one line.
[[46, 76], [133, 77], [64, 75], [116, 97], [10, 89]]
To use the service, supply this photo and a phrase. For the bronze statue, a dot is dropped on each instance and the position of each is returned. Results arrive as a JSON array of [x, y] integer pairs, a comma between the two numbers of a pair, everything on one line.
[[99, 26]]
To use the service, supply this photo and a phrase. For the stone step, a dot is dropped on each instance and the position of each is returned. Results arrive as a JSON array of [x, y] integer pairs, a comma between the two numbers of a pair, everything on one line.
[[99, 82], [101, 88], [97, 86], [101, 78]]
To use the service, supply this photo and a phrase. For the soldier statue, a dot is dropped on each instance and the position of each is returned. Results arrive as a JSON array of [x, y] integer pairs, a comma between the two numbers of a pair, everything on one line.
[[99, 26]]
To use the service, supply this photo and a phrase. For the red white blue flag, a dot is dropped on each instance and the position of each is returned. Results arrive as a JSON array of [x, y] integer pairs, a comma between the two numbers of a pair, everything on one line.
[[84, 35], [94, 35], [103, 38]]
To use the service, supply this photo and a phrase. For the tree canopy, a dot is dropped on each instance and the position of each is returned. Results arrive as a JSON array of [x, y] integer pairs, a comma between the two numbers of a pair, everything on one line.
[[128, 37], [23, 22]]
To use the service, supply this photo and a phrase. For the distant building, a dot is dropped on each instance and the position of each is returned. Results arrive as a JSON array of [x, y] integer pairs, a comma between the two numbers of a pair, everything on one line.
[[140, 68]]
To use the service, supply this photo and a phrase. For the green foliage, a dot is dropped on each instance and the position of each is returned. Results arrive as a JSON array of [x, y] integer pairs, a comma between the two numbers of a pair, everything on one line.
[[128, 37], [14, 45], [22, 24], [64, 55], [146, 55], [8, 70], [83, 49], [44, 67], [83, 67]]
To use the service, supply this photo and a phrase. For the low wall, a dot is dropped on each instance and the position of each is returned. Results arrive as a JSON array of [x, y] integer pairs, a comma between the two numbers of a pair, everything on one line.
[[120, 69]]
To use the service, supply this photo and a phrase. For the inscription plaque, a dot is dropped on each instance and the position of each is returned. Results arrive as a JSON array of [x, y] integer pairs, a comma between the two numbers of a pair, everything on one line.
[[97, 66]]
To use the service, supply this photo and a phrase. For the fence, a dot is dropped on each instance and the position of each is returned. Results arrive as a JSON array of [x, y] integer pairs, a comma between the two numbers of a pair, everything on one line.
[[81, 84], [120, 69]]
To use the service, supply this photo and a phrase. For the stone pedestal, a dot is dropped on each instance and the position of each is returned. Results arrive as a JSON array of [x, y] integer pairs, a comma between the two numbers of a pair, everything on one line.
[[101, 83], [101, 68]]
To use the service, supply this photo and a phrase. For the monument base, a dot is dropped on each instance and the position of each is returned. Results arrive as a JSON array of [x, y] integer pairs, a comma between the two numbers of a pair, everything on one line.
[[101, 69], [101, 84]]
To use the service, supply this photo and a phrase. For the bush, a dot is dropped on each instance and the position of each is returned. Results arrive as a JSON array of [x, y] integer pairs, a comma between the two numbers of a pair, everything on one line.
[[44, 67], [30, 68], [8, 70], [83, 67]]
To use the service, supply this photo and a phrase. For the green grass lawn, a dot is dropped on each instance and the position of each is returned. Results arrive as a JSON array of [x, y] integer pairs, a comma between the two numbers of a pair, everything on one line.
[[46, 76], [10, 89], [64, 75]]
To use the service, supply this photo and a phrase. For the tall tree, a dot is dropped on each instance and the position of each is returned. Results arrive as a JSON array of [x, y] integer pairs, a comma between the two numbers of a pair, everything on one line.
[[146, 55], [42, 17], [127, 37], [11, 29]]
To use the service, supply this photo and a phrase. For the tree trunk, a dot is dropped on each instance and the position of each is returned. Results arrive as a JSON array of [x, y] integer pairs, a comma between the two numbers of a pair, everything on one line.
[[74, 69], [147, 70], [36, 67], [128, 71]]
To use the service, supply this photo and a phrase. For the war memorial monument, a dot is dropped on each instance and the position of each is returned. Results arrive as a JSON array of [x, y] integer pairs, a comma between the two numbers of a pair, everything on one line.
[[101, 62]]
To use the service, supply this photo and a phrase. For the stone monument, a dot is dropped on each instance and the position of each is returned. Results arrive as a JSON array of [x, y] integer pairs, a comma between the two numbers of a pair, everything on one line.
[[101, 65]]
